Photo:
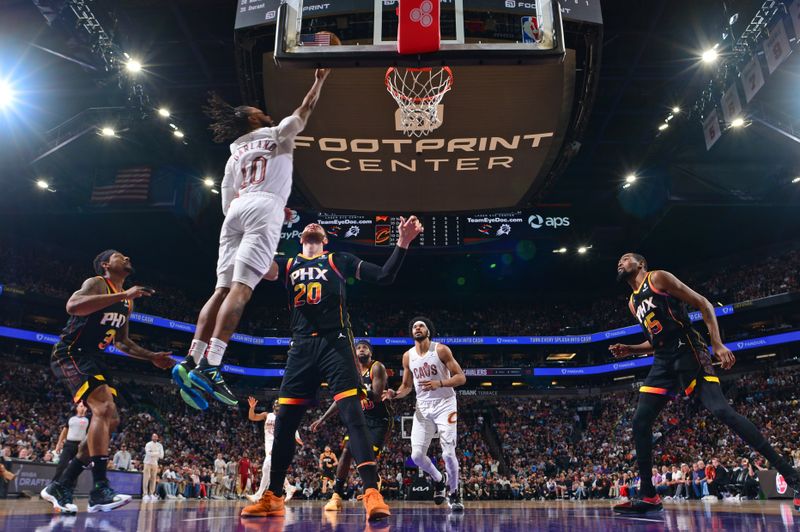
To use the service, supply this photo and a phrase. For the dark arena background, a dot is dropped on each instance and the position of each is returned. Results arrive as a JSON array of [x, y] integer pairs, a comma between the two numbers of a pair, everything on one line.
[[573, 132]]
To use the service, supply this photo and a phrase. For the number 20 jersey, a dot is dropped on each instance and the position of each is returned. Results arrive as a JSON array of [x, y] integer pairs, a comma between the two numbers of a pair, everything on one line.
[[661, 316], [317, 292]]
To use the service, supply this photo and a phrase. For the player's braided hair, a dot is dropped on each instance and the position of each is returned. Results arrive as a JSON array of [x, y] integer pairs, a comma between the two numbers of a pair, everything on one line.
[[228, 122]]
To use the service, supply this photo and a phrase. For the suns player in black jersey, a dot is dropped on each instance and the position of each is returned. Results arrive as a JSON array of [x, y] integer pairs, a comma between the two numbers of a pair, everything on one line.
[[322, 349], [379, 420], [99, 315], [682, 365], [327, 464]]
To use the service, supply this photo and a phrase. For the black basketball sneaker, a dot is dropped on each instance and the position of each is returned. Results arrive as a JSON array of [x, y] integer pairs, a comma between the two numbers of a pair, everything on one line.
[[440, 490], [60, 496], [454, 501], [640, 506], [103, 498], [209, 378]]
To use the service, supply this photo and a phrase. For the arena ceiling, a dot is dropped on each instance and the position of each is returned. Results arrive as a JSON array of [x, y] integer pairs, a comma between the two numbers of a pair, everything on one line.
[[707, 202]]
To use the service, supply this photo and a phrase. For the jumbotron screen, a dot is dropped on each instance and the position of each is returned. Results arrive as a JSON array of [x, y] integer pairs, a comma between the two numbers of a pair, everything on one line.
[[440, 230]]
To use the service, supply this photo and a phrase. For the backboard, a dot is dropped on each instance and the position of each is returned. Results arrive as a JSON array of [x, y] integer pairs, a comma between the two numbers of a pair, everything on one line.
[[528, 31]]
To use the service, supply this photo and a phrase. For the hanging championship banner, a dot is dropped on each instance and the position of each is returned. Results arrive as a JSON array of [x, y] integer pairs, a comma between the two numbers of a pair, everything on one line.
[[776, 47], [794, 14], [731, 105], [752, 79], [711, 129]]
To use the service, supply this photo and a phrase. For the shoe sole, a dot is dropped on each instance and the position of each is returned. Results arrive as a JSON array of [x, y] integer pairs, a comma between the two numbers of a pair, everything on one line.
[[438, 502], [201, 383], [108, 507], [56, 506], [277, 513], [628, 512], [191, 397], [337, 509], [378, 514]]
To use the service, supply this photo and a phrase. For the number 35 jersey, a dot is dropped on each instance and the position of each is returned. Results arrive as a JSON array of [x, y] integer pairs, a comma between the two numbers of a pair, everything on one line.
[[98, 330], [317, 289], [662, 316]]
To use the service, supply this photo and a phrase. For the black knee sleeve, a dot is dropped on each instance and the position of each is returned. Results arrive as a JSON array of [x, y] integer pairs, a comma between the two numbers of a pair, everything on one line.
[[286, 424], [360, 446]]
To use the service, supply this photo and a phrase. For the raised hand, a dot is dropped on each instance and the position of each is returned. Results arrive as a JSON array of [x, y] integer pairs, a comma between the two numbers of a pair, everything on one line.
[[252, 401], [136, 292], [408, 229]]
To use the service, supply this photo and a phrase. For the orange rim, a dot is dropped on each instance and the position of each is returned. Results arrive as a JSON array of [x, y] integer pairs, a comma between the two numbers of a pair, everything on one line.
[[402, 96]]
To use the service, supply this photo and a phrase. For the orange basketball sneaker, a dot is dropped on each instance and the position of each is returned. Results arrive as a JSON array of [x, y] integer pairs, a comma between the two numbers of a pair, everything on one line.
[[269, 505], [374, 505]]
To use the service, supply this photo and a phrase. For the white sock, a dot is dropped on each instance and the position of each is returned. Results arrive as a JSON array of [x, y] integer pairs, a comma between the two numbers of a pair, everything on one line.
[[216, 350], [197, 350]]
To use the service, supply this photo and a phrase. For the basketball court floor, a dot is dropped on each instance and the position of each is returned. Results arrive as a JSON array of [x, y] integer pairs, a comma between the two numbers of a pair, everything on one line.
[[221, 516]]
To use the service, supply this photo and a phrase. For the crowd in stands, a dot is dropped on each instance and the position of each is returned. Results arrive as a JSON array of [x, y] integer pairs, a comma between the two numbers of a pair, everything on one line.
[[544, 447], [769, 275]]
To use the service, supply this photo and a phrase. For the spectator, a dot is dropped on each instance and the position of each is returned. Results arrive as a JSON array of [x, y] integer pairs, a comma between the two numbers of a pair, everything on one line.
[[153, 452], [122, 458]]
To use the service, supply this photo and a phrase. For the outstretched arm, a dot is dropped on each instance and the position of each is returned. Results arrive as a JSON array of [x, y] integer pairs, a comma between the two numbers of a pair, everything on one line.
[[666, 282], [327, 415], [312, 97], [251, 414], [93, 296], [129, 347], [405, 387], [372, 273]]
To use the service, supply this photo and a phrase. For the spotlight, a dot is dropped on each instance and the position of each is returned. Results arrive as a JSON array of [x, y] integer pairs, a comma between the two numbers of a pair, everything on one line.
[[41, 183], [108, 132], [214, 191], [163, 112], [560, 250], [583, 249], [796, 179], [737, 122], [133, 66], [6, 94], [676, 110], [630, 178], [662, 127], [178, 133], [710, 55], [208, 182], [627, 185]]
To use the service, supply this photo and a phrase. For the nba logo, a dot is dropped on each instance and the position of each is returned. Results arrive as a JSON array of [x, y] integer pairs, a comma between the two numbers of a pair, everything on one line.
[[530, 30]]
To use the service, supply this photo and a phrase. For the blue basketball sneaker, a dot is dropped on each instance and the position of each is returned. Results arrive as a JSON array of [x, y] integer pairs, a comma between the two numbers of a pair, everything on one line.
[[180, 374]]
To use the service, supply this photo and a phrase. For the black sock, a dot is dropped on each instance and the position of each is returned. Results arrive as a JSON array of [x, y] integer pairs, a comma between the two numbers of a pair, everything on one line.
[[338, 487], [286, 424], [70, 475], [360, 445], [99, 464]]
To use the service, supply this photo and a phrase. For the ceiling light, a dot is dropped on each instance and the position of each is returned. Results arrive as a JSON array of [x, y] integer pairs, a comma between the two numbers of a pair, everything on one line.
[[208, 182], [627, 185], [133, 66], [164, 112], [486, 384], [214, 191], [108, 132], [560, 250], [662, 127], [710, 55], [6, 94], [630, 178], [178, 133], [41, 183], [583, 249], [796, 179], [737, 122], [676, 110]]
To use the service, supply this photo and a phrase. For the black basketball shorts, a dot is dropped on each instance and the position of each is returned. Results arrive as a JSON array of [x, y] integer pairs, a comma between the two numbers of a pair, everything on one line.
[[678, 364], [78, 371]]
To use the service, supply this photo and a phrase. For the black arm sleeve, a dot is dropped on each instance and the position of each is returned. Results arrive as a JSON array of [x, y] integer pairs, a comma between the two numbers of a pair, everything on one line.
[[369, 272]]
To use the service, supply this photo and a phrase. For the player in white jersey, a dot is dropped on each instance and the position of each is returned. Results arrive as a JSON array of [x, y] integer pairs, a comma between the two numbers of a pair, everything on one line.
[[434, 372], [269, 436], [255, 189]]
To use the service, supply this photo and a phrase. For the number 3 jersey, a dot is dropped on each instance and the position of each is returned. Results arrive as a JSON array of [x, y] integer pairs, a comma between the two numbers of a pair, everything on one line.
[[317, 292], [662, 316], [98, 330]]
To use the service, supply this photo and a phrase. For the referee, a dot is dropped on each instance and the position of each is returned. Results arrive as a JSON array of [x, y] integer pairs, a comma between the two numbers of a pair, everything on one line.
[[71, 436]]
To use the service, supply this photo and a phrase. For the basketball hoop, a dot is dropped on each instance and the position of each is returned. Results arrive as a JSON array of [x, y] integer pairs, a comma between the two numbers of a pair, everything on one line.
[[418, 92]]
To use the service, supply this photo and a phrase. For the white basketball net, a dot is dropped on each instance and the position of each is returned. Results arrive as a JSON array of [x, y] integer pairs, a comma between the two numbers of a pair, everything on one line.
[[418, 92]]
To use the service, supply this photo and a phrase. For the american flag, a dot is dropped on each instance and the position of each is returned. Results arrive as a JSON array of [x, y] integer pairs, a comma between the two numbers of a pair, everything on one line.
[[316, 39], [130, 184]]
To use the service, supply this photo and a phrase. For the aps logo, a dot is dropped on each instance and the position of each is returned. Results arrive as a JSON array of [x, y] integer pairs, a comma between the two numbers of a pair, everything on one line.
[[537, 222]]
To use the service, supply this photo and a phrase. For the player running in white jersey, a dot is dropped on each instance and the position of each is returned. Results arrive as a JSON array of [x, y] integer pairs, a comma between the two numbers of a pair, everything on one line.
[[269, 436], [256, 186], [434, 372]]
